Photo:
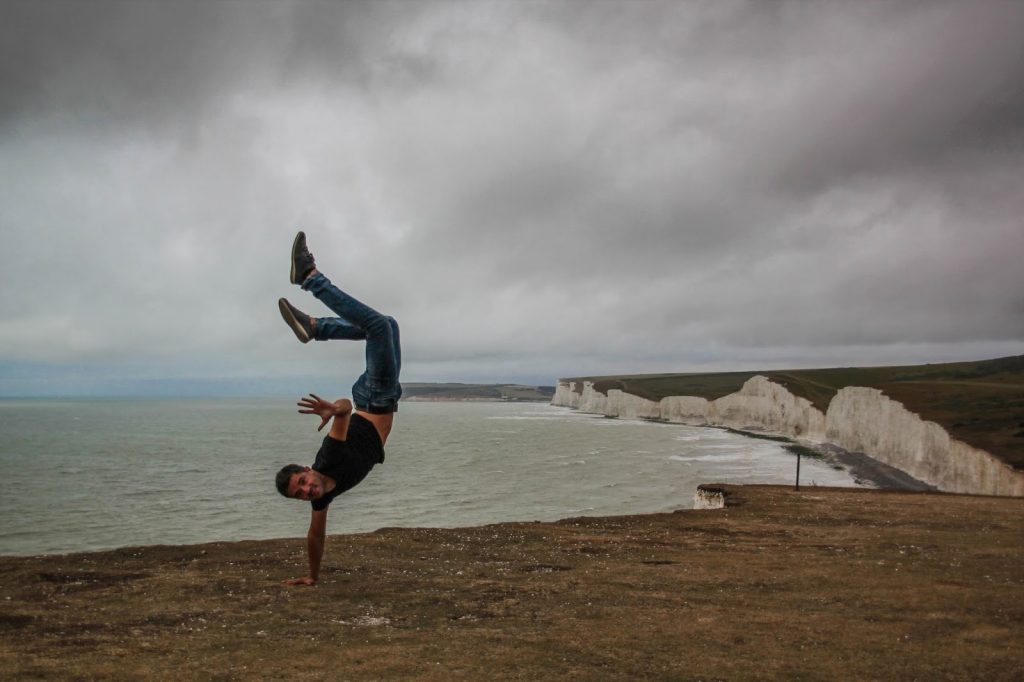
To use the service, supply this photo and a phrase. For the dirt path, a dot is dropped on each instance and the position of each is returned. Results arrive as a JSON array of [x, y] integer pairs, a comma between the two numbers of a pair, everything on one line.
[[820, 584]]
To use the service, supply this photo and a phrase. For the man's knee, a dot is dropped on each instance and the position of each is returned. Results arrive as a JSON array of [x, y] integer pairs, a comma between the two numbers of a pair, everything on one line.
[[380, 326]]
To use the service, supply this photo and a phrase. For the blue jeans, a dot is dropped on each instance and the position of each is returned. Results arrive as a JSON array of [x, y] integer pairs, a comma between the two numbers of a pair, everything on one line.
[[377, 390]]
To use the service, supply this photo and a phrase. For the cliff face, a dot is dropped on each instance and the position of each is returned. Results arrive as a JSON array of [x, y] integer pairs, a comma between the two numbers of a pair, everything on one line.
[[564, 394], [858, 419], [629, 406], [865, 420], [592, 401], [765, 405], [685, 409]]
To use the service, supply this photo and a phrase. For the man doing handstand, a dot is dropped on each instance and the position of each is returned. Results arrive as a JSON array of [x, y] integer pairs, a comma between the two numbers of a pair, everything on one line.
[[355, 442]]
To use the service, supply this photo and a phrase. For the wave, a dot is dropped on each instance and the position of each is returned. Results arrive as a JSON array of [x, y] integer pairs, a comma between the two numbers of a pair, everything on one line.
[[731, 457]]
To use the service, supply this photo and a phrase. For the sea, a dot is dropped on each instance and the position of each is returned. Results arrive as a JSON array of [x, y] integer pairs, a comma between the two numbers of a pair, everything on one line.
[[83, 474]]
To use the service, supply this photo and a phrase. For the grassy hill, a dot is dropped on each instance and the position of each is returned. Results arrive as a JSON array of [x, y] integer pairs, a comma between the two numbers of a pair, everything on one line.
[[443, 392], [980, 403], [825, 584]]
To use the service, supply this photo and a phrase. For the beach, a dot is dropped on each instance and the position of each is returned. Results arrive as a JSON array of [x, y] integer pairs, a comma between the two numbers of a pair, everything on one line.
[[823, 583]]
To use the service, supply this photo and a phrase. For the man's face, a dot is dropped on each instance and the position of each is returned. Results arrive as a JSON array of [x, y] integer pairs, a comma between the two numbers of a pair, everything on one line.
[[305, 485]]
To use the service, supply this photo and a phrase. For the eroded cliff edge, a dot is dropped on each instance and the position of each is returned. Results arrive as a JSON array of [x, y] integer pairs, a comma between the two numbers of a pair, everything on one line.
[[858, 419]]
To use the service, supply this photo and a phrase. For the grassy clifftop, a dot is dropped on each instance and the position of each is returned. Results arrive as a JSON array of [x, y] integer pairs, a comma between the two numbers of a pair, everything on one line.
[[821, 584], [980, 403]]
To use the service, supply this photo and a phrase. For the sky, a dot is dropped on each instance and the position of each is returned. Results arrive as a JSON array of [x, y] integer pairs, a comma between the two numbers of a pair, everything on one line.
[[533, 189]]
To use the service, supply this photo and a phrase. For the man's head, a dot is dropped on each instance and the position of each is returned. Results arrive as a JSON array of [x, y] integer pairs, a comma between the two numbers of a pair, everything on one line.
[[299, 482]]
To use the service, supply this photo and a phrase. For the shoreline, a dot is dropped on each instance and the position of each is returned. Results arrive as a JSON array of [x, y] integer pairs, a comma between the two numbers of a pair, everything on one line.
[[880, 474], [823, 583], [864, 468]]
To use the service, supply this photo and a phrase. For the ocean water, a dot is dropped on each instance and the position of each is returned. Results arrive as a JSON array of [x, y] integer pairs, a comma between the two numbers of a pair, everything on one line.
[[85, 474]]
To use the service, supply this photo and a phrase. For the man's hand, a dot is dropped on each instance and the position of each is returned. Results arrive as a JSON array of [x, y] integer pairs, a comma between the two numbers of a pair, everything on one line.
[[314, 404], [304, 580]]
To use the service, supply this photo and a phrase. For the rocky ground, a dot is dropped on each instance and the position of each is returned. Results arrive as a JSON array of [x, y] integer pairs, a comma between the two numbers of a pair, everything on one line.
[[816, 584]]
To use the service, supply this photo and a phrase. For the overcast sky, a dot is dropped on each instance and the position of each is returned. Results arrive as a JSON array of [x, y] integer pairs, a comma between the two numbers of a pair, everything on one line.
[[533, 189]]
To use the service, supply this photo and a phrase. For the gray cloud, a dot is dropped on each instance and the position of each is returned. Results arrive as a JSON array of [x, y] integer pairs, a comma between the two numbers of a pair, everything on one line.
[[532, 189]]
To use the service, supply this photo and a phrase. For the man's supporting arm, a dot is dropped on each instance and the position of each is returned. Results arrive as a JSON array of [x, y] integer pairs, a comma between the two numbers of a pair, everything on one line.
[[315, 540]]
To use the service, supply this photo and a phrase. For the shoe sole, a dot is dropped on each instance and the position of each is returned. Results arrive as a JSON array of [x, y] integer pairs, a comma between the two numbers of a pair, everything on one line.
[[295, 245], [292, 321]]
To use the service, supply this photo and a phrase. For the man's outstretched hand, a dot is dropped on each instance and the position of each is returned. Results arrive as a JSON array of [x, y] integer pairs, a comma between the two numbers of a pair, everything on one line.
[[305, 580], [314, 404]]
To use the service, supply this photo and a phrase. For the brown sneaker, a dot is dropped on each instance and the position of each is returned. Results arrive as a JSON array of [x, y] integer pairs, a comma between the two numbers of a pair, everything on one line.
[[297, 320], [302, 259]]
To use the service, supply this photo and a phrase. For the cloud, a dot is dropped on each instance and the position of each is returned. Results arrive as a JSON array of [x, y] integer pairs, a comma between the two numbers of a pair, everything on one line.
[[534, 190]]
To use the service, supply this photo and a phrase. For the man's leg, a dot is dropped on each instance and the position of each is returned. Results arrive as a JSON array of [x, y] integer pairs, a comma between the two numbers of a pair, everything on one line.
[[378, 389], [335, 328], [306, 328], [398, 343], [397, 347]]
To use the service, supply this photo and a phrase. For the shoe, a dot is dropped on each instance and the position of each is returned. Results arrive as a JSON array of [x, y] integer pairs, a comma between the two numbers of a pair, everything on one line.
[[302, 259], [296, 319]]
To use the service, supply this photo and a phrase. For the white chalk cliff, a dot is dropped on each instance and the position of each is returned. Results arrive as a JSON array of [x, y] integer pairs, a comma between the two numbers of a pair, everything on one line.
[[858, 419]]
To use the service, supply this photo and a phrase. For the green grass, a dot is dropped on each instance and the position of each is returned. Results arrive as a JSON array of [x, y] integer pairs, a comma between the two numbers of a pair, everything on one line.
[[980, 403]]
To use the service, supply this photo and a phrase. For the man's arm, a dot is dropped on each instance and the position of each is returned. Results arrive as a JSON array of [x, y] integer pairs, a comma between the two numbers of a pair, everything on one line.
[[315, 540], [342, 416]]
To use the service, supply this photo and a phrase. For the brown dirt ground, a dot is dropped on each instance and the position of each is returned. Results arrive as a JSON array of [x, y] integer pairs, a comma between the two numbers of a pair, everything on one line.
[[816, 584]]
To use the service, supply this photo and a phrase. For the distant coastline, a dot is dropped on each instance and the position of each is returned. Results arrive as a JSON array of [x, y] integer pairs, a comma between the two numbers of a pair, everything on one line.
[[458, 392], [470, 399]]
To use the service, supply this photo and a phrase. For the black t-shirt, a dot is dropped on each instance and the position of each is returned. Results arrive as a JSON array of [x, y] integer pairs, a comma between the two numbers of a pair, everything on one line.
[[348, 461]]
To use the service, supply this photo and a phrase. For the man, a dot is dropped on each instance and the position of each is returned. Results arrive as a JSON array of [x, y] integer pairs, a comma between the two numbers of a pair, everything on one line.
[[355, 442]]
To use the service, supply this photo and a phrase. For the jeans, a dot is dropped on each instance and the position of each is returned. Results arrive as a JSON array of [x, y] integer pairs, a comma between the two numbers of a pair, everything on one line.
[[377, 389]]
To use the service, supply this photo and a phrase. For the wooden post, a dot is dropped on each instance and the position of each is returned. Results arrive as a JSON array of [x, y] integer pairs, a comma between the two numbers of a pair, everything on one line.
[[797, 470]]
